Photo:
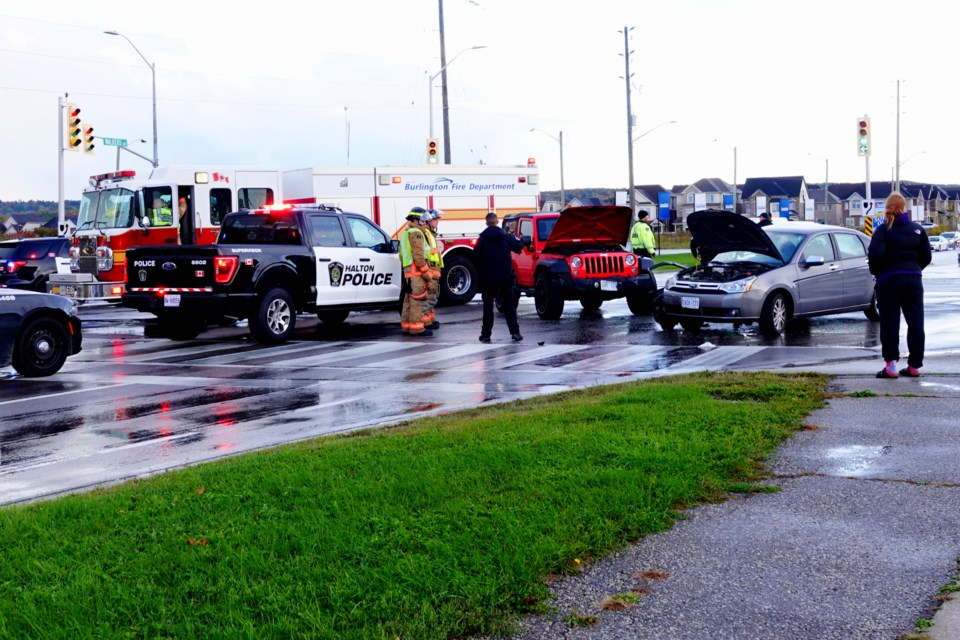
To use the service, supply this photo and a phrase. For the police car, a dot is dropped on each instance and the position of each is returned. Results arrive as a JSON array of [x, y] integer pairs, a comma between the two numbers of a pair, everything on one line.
[[268, 265], [37, 331]]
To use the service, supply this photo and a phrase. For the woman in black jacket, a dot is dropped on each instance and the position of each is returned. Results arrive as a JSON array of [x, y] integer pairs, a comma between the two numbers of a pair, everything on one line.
[[899, 251]]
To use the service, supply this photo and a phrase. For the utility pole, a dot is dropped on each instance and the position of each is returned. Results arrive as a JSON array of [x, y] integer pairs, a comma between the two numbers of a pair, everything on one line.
[[896, 187], [443, 91], [631, 196]]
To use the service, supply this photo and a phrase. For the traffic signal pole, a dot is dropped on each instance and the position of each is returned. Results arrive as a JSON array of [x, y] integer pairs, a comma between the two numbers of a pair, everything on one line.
[[61, 207]]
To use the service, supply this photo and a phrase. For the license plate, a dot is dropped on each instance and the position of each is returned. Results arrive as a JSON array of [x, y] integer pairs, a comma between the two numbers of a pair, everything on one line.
[[689, 302], [608, 285], [171, 300]]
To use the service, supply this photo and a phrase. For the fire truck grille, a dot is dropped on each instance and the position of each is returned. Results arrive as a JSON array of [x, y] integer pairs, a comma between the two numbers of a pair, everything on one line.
[[603, 265], [87, 258]]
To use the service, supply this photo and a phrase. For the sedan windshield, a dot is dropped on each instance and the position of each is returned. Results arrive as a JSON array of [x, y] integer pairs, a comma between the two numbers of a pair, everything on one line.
[[108, 209], [739, 257], [786, 242]]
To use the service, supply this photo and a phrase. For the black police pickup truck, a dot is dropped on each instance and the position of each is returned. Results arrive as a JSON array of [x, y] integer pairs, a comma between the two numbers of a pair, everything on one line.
[[268, 265]]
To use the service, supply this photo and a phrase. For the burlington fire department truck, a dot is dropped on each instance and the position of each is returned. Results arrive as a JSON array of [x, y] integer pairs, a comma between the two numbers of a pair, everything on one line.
[[120, 210], [465, 194]]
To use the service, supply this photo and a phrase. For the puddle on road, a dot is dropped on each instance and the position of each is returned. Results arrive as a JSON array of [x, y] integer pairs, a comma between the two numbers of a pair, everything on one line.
[[856, 460]]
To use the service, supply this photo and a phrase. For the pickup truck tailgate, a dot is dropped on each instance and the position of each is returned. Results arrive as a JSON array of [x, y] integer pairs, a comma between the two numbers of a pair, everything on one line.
[[188, 267]]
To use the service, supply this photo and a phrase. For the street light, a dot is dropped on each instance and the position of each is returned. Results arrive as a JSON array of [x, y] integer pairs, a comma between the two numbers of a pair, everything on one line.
[[734, 171], [654, 129], [434, 77], [563, 193], [153, 73]]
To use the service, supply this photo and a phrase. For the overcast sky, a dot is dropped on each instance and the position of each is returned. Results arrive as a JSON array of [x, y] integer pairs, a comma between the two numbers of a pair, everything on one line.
[[281, 84]]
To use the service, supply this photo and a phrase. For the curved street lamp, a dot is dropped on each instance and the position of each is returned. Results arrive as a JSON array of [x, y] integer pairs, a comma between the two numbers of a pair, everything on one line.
[[153, 73]]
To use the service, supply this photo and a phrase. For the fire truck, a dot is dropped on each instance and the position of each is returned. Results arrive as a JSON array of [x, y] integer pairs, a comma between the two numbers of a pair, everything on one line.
[[465, 194], [120, 210]]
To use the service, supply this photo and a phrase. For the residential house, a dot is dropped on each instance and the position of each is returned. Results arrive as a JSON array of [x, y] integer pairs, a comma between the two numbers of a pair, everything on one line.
[[707, 193], [766, 194], [826, 210]]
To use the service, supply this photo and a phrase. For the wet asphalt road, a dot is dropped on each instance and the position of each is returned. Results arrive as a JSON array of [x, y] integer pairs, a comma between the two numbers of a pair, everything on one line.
[[131, 404]]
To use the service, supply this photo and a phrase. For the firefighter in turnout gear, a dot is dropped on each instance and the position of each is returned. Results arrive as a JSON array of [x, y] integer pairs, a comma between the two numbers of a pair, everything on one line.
[[641, 237], [416, 273], [435, 258]]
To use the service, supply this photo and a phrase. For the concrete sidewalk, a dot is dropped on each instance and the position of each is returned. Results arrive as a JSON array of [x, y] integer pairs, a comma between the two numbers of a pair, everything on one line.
[[856, 544]]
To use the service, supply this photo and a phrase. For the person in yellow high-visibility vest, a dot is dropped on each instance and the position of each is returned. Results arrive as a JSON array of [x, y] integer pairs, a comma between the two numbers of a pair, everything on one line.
[[416, 269], [641, 237], [435, 258]]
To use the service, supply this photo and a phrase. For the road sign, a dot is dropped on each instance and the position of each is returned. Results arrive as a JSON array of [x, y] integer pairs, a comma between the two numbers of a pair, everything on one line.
[[114, 142]]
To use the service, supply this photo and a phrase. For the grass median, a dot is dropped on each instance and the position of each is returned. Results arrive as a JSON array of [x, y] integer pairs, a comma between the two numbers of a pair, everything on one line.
[[444, 527]]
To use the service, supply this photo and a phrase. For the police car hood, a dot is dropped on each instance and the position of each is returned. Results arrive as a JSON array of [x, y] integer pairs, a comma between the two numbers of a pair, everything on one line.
[[604, 225], [717, 231]]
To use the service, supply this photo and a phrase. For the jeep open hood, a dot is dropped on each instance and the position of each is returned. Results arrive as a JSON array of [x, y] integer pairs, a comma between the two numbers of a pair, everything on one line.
[[590, 226], [717, 231]]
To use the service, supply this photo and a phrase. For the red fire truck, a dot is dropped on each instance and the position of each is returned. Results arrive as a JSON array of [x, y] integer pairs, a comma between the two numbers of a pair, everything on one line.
[[120, 210], [465, 194]]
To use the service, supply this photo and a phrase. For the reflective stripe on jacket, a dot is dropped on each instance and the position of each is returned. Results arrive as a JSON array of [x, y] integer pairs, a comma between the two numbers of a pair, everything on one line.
[[412, 254]]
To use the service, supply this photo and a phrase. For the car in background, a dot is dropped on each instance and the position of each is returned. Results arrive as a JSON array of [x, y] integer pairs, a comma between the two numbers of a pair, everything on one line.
[[951, 238], [938, 243], [927, 225], [767, 275], [28, 263], [37, 331]]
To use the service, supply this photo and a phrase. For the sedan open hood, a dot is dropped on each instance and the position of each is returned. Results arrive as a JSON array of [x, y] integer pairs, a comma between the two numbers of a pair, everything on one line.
[[590, 226], [716, 231]]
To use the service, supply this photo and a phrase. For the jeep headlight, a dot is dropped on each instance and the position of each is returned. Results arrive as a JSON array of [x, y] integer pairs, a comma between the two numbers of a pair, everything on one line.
[[738, 286], [630, 260], [576, 262]]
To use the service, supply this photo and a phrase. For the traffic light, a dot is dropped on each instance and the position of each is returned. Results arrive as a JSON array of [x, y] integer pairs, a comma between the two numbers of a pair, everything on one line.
[[433, 151], [88, 143], [73, 127], [863, 137]]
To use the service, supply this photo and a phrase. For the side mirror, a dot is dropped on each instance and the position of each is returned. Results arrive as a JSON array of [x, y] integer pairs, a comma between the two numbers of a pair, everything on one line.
[[814, 261], [394, 246]]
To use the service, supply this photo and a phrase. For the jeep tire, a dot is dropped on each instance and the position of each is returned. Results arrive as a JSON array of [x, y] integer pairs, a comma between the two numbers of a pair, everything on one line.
[[548, 301]]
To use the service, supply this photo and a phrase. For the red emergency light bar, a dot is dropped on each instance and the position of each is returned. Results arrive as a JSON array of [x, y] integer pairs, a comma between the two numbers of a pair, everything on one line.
[[114, 175], [277, 207]]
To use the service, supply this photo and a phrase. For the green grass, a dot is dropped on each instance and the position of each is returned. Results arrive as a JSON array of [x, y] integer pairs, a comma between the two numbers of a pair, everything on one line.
[[444, 527], [686, 259]]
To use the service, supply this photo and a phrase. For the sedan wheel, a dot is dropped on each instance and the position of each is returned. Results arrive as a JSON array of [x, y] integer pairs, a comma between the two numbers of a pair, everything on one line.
[[774, 316], [41, 349]]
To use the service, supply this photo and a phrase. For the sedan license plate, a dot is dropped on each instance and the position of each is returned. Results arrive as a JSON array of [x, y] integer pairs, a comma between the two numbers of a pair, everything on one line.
[[171, 300], [608, 285], [690, 302]]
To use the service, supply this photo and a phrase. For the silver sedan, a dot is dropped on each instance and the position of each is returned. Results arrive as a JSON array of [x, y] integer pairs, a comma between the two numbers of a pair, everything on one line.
[[768, 275]]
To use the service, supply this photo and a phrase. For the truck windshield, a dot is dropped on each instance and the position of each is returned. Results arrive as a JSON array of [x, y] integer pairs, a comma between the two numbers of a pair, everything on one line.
[[108, 209]]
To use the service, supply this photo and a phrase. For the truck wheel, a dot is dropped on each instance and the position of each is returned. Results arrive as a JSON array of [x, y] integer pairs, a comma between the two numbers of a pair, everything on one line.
[[333, 317], [459, 282], [641, 303], [274, 318], [774, 315], [178, 326], [41, 349], [547, 300], [666, 322], [591, 304]]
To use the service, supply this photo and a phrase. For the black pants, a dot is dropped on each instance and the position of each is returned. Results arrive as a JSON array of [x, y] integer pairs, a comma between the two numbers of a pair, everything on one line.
[[896, 294], [509, 305]]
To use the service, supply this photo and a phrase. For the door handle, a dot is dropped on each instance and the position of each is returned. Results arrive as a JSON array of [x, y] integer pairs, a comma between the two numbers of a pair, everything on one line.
[[833, 267], [323, 259], [364, 259]]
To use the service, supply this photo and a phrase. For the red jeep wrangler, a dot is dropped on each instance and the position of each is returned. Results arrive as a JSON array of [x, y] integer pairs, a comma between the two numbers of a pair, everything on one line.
[[579, 254]]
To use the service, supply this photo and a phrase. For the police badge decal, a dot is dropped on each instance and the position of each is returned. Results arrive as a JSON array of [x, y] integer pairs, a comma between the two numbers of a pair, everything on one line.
[[336, 274]]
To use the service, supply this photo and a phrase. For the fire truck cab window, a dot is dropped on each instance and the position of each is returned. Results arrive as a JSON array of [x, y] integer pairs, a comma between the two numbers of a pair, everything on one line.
[[159, 206], [221, 203], [107, 209], [254, 198]]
